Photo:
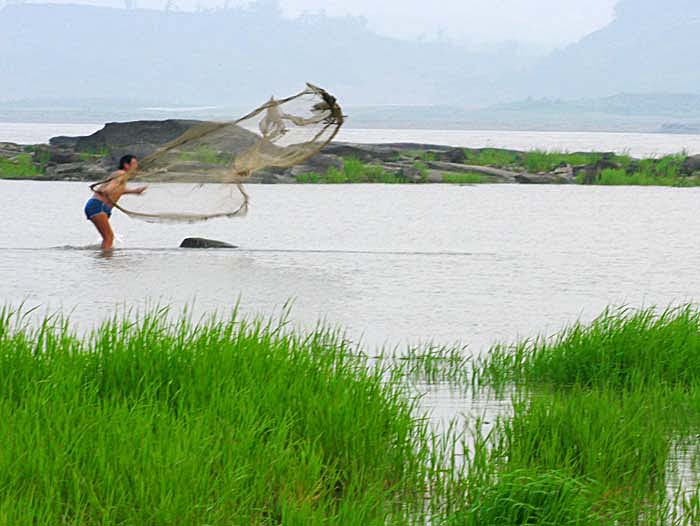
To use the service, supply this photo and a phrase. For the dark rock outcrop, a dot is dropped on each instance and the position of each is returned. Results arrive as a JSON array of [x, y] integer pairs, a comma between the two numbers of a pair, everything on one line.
[[139, 137], [200, 242], [691, 165]]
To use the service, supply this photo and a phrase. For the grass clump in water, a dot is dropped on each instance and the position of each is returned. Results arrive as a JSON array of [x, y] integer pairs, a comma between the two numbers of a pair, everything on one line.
[[223, 422], [602, 402], [543, 498], [621, 349]]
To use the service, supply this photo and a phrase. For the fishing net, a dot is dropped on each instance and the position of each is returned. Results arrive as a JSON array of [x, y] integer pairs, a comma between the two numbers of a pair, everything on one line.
[[200, 175]]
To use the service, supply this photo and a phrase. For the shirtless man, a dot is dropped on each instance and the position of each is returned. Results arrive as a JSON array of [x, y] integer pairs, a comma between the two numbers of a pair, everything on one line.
[[98, 209]]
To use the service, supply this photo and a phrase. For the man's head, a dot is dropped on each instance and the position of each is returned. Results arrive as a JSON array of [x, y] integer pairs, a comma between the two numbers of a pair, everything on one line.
[[128, 163]]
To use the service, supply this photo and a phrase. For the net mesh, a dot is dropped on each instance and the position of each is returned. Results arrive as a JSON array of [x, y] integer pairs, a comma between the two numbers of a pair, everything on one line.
[[200, 175]]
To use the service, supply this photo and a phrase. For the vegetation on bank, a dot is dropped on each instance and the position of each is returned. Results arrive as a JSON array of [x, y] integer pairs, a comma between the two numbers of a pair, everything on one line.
[[20, 166], [587, 168], [352, 171], [430, 166], [150, 420], [207, 155]]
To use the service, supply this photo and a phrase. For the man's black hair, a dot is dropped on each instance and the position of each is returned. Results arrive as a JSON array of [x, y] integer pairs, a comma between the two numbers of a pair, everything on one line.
[[125, 160]]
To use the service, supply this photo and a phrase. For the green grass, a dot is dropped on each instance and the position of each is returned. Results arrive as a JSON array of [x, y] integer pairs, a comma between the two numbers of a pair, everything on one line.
[[543, 498], [540, 161], [492, 157], [21, 165], [352, 171], [94, 153], [207, 155], [604, 169], [602, 402], [533, 161], [421, 155], [152, 422], [40, 155], [465, 178], [621, 347], [647, 172], [422, 169]]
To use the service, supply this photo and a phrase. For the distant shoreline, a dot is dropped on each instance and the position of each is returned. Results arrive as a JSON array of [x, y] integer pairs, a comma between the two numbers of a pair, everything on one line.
[[637, 144], [92, 157]]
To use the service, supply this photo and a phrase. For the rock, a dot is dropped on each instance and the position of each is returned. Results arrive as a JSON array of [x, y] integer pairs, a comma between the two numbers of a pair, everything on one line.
[[200, 242], [691, 164], [606, 163], [317, 164], [363, 152], [63, 155], [63, 141], [504, 176], [543, 178], [587, 174], [411, 174], [78, 171], [10, 149], [566, 171], [453, 155], [142, 138], [270, 178], [434, 176]]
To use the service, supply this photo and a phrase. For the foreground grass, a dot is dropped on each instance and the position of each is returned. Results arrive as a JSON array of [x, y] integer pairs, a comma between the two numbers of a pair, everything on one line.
[[602, 406], [223, 422], [151, 421]]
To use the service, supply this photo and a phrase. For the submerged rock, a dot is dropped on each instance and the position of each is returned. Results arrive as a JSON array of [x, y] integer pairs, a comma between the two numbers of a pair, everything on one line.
[[200, 242]]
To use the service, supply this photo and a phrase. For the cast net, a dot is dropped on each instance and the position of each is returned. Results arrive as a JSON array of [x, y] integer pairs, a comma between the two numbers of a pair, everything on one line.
[[200, 175]]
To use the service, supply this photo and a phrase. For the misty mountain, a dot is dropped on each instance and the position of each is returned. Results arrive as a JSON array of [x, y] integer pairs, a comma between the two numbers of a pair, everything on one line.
[[650, 47], [233, 56], [97, 64]]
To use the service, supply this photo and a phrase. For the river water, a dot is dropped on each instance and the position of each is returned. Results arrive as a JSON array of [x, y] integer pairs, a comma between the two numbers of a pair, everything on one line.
[[393, 266]]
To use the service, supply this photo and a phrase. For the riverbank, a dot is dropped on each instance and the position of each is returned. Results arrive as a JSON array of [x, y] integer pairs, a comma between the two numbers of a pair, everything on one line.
[[151, 419], [90, 158]]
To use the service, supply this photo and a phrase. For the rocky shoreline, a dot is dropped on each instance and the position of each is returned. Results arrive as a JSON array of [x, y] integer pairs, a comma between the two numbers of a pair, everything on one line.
[[93, 157]]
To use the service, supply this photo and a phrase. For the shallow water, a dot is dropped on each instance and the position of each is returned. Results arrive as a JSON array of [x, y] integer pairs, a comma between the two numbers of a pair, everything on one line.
[[392, 265]]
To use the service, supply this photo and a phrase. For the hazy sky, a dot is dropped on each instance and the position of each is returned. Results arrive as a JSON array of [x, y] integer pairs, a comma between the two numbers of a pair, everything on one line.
[[549, 23]]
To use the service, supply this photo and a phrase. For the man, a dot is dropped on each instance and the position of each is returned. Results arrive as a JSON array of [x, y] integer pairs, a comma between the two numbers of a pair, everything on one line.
[[98, 209]]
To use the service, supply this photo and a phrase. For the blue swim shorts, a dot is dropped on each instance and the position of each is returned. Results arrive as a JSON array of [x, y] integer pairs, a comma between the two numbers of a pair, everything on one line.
[[94, 206]]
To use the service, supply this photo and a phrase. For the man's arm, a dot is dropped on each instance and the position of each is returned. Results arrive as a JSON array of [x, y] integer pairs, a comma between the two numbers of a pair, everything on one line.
[[138, 190]]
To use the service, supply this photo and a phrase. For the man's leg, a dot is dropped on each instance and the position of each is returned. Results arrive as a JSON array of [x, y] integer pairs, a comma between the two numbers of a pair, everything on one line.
[[101, 222]]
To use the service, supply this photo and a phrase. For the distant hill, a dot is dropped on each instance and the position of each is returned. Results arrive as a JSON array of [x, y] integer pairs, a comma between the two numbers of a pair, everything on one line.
[[683, 105], [233, 56], [69, 62], [650, 47]]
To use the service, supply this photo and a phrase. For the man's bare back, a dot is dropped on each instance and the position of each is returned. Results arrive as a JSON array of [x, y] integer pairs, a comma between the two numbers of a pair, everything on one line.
[[98, 209]]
